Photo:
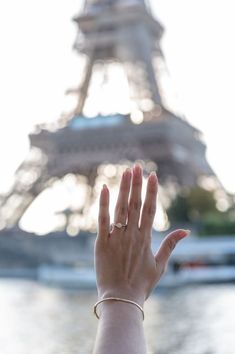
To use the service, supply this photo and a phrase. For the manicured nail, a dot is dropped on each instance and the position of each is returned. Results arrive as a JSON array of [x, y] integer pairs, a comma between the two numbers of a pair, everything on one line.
[[153, 177], [137, 170], [184, 233], [127, 172]]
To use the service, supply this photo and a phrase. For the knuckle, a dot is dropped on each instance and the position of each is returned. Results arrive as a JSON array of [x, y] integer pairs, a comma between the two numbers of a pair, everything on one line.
[[123, 210], [137, 182], [151, 210], [162, 268], [124, 187], [171, 243], [147, 241], [152, 191], [135, 204], [103, 220]]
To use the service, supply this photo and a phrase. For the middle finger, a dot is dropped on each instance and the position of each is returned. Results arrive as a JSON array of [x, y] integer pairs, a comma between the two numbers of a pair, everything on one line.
[[121, 209]]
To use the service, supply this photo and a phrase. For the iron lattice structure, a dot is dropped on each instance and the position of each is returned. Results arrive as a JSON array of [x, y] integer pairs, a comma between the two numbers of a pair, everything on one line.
[[111, 31]]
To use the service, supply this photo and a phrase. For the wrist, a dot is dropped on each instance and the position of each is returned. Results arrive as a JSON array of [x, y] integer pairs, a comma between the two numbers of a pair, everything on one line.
[[119, 310], [123, 294]]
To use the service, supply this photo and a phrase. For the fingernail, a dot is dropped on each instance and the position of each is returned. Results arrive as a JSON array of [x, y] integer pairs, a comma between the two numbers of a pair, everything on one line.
[[153, 177], [137, 170], [105, 186], [184, 233], [128, 172]]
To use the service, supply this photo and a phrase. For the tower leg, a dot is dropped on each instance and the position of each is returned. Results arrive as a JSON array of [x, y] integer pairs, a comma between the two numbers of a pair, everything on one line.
[[84, 86], [140, 51]]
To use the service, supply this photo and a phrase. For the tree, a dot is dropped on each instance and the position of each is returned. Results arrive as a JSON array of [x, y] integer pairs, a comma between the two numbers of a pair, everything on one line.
[[191, 205], [198, 207]]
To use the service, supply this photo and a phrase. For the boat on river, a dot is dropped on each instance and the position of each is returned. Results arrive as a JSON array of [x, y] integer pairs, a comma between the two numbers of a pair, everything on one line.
[[194, 261]]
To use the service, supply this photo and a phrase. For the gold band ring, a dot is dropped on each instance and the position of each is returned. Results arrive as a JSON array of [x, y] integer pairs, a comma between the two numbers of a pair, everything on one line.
[[118, 225]]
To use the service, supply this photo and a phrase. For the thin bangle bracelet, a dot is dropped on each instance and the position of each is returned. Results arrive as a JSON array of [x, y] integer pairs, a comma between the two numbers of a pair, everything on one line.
[[117, 299]]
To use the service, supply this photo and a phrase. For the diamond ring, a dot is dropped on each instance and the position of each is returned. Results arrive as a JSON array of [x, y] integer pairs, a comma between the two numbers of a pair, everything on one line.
[[118, 225]]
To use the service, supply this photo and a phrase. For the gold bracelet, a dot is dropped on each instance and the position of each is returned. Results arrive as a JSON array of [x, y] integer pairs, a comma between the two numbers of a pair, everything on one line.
[[117, 299]]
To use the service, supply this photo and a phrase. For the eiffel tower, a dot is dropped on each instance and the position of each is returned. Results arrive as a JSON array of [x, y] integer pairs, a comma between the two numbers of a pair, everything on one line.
[[124, 32]]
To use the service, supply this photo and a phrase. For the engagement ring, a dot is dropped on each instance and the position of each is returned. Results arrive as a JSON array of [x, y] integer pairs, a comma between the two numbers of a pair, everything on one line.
[[118, 225]]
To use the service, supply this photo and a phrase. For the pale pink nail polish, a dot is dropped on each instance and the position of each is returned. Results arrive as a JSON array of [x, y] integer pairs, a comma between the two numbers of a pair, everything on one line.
[[184, 233], [137, 170], [153, 177], [127, 172]]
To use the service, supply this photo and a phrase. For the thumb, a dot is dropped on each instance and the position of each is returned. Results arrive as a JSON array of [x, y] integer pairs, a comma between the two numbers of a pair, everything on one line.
[[167, 246]]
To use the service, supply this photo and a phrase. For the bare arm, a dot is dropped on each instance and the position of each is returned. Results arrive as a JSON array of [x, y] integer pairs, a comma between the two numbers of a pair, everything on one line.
[[120, 330], [125, 265]]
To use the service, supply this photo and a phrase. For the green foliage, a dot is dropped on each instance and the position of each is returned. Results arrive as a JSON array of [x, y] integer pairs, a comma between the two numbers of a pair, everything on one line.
[[218, 224], [201, 202], [179, 210], [192, 205], [198, 207]]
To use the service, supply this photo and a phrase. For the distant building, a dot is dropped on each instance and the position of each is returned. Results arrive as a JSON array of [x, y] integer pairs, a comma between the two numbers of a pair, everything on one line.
[[111, 31]]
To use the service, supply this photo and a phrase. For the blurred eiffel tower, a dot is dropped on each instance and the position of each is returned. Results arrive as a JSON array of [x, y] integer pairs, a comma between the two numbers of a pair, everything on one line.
[[111, 31]]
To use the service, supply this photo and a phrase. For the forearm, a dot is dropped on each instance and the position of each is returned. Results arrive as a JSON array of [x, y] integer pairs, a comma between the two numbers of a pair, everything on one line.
[[120, 329], [125, 265]]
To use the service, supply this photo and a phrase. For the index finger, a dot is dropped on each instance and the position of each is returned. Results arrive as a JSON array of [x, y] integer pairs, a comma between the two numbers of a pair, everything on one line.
[[104, 219]]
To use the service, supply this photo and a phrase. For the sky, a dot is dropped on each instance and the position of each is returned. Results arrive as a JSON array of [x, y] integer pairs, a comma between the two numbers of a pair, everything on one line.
[[37, 66], [200, 55]]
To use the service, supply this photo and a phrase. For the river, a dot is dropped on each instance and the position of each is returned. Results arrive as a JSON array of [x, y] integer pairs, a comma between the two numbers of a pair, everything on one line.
[[36, 319]]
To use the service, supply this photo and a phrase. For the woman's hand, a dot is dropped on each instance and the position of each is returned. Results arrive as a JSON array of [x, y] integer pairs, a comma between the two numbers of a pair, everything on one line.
[[125, 264]]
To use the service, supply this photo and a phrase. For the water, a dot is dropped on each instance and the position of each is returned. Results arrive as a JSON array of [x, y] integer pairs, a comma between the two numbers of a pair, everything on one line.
[[36, 319]]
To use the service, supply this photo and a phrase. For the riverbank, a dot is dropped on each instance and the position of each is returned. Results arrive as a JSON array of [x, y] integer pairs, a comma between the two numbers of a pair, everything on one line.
[[38, 319]]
